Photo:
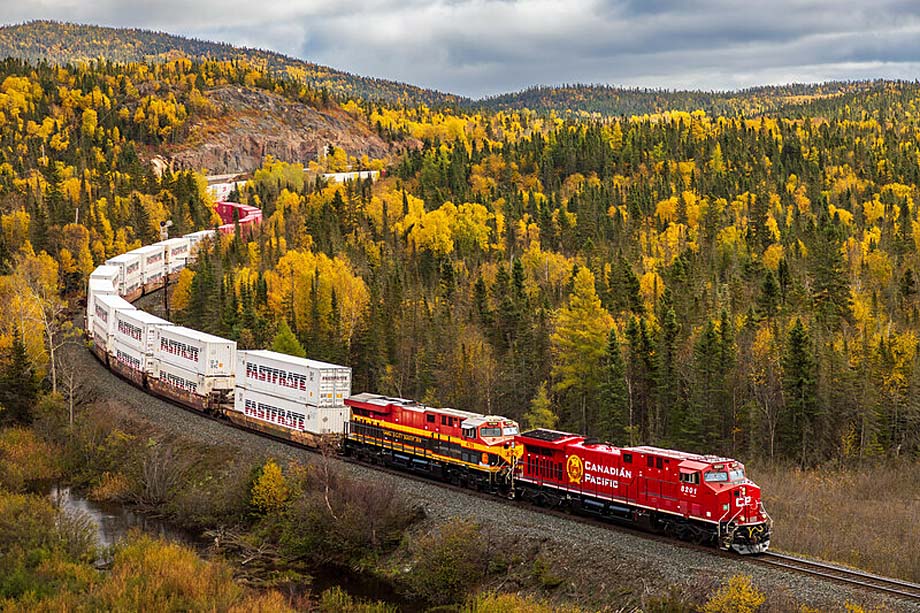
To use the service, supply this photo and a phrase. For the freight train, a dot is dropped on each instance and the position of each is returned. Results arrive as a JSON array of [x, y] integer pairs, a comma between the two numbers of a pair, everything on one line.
[[701, 498]]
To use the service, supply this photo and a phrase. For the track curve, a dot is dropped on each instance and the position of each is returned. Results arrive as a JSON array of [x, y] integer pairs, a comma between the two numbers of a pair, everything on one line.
[[824, 571]]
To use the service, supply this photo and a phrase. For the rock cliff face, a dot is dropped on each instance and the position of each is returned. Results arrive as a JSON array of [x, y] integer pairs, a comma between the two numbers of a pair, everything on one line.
[[248, 124]]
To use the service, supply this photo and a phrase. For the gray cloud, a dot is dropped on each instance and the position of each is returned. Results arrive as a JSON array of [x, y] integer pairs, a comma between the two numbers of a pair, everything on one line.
[[482, 47]]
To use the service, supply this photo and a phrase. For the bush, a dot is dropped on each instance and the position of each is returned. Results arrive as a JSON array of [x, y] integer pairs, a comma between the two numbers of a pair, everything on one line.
[[511, 603], [270, 490], [739, 596], [146, 575], [25, 459], [544, 575], [332, 518], [215, 496], [335, 600], [449, 563], [36, 537]]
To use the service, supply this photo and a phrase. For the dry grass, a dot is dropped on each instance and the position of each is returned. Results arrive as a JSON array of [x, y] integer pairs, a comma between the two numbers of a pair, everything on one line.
[[868, 518]]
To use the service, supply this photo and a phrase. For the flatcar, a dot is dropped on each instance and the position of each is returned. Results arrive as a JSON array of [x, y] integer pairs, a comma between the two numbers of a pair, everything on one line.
[[707, 499]]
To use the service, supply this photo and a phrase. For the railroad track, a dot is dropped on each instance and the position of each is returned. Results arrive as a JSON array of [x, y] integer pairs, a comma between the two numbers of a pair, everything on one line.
[[893, 587], [841, 574]]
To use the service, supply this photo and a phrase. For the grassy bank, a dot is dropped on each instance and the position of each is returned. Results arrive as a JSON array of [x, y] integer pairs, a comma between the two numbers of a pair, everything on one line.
[[865, 517], [273, 522]]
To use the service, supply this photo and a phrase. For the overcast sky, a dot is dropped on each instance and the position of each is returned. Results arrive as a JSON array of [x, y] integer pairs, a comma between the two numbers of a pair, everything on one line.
[[484, 47]]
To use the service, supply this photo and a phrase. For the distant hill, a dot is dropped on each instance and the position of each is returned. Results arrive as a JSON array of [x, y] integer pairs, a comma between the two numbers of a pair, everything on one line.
[[609, 100], [63, 43]]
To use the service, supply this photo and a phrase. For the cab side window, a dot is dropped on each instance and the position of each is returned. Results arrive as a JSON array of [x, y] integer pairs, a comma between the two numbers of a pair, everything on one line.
[[693, 478]]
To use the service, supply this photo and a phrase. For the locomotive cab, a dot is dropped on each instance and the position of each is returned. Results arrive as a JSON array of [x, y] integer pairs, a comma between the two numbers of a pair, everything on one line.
[[493, 431], [744, 525]]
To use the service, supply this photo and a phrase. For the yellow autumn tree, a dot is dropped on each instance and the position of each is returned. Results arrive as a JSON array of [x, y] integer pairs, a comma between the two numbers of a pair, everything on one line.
[[270, 490], [580, 340], [308, 280]]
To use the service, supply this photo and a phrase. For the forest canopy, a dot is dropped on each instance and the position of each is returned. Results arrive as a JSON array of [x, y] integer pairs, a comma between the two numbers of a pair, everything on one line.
[[741, 283]]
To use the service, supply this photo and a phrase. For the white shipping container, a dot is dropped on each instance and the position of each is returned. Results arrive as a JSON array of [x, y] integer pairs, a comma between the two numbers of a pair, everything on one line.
[[105, 308], [130, 356], [299, 379], [176, 265], [153, 262], [100, 335], [137, 329], [100, 286], [202, 353], [153, 257], [187, 380], [289, 414], [176, 249], [106, 273], [129, 275], [96, 287]]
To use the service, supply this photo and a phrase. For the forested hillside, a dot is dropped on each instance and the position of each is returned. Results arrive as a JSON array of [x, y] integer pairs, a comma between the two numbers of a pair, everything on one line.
[[586, 100], [740, 286], [722, 284], [64, 43]]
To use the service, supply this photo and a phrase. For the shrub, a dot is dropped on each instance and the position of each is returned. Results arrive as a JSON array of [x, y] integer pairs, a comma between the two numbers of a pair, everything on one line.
[[335, 600], [25, 459], [111, 487], [153, 575], [448, 563], [544, 575], [511, 603], [336, 519], [215, 496], [146, 575], [34, 536], [739, 596]]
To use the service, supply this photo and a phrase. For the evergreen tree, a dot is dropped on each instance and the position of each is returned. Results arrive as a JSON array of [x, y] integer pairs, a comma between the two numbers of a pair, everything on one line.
[[18, 384], [641, 374], [768, 301], [799, 391], [286, 342], [831, 290], [668, 379], [613, 419]]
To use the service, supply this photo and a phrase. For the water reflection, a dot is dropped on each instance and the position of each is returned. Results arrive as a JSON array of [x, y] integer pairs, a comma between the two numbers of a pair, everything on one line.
[[112, 522]]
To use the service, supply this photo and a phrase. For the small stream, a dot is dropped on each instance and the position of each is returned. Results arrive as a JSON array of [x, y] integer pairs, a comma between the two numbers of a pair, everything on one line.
[[113, 522]]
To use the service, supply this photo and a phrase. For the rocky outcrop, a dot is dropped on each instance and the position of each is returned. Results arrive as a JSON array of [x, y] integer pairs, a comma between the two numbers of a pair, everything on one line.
[[247, 124]]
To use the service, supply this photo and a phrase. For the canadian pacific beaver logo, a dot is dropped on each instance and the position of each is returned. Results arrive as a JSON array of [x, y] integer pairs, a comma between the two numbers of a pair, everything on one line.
[[575, 469]]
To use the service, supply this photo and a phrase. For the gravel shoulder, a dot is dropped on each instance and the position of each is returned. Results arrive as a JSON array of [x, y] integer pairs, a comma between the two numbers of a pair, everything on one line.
[[600, 566]]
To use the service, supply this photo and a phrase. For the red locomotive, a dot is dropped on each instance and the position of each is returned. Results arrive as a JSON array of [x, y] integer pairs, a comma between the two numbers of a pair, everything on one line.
[[693, 497]]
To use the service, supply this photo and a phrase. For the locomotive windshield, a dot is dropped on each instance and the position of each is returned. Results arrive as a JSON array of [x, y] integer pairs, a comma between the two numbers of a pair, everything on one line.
[[486, 432], [720, 476], [510, 431]]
